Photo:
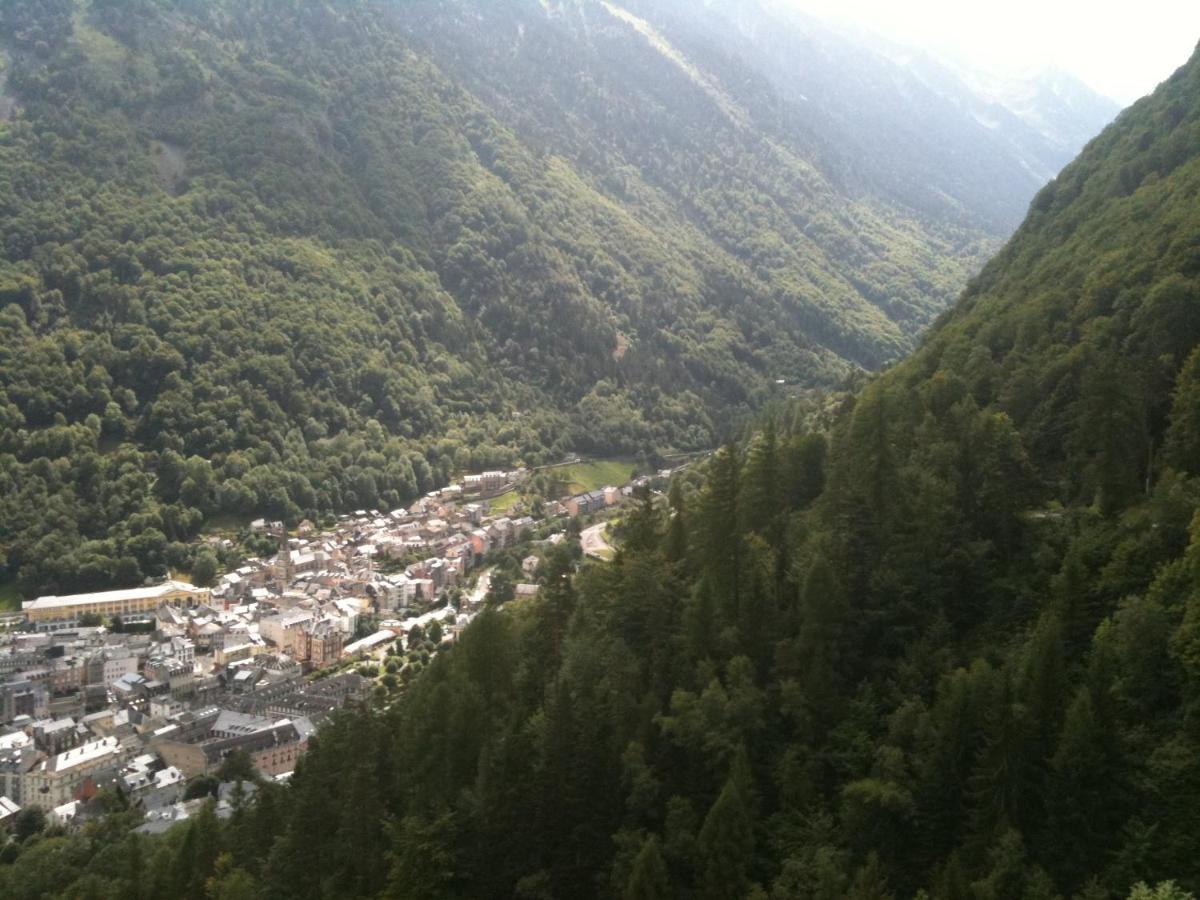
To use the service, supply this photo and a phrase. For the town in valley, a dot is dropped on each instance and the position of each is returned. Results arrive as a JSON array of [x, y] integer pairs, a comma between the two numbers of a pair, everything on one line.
[[171, 695]]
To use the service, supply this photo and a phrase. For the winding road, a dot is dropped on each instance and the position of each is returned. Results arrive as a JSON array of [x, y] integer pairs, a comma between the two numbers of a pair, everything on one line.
[[595, 543]]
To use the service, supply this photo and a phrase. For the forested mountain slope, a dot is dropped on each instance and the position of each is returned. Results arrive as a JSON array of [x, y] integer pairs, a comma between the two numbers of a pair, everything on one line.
[[949, 651], [941, 139], [284, 258]]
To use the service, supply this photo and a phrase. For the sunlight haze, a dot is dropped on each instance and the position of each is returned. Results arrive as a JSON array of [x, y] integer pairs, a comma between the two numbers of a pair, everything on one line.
[[1122, 50]]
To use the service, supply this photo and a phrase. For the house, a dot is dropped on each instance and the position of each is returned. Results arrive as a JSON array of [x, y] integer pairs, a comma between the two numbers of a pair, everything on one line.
[[500, 531], [64, 815], [304, 560], [128, 687], [398, 591], [493, 481], [346, 613], [56, 736], [24, 696], [166, 817], [165, 706], [15, 763], [147, 781], [481, 542], [173, 673], [54, 781], [100, 723], [116, 664], [244, 679], [286, 630], [8, 810], [485, 483], [323, 644], [233, 653], [203, 745], [67, 675], [184, 651]]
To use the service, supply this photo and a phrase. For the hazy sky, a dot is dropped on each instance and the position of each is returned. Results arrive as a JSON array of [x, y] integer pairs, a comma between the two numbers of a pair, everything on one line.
[[1122, 49]]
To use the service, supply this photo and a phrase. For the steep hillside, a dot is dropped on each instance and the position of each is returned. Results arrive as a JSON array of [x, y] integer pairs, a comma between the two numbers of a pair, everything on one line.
[[947, 651], [937, 138], [289, 258], [1080, 328]]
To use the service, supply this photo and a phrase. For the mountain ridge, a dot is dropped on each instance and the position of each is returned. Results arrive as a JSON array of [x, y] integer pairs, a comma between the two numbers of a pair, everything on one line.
[[317, 257]]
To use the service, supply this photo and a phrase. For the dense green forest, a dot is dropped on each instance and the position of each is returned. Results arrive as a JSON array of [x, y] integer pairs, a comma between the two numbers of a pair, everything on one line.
[[948, 650], [287, 258]]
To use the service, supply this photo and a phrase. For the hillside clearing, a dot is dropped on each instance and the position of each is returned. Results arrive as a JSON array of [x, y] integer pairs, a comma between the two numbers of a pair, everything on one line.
[[591, 476]]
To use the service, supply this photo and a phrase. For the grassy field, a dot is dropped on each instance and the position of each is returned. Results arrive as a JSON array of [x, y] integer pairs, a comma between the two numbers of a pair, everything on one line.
[[504, 502], [592, 476], [9, 598]]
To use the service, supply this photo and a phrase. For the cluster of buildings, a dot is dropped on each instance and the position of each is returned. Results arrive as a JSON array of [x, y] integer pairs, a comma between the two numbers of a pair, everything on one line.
[[428, 549], [179, 678], [595, 501], [85, 710]]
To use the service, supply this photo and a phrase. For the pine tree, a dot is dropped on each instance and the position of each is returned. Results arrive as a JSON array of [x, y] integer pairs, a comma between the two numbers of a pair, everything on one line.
[[761, 498], [424, 864], [757, 613], [1040, 681], [1074, 601], [642, 524], [556, 603], [1182, 449], [700, 621], [803, 470], [816, 653], [719, 539], [649, 879], [725, 845], [1005, 774], [228, 882], [204, 837], [675, 543], [1108, 444], [870, 882], [1084, 799]]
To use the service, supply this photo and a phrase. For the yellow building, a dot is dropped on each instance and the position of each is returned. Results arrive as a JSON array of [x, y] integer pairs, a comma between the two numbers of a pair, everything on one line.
[[54, 781], [55, 613]]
